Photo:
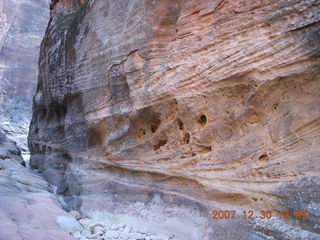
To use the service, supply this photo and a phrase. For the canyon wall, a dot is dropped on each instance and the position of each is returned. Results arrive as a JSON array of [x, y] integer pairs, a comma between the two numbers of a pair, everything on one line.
[[22, 25], [166, 110]]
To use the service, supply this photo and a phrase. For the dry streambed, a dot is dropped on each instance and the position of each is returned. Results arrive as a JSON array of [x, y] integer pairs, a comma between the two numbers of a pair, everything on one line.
[[106, 228]]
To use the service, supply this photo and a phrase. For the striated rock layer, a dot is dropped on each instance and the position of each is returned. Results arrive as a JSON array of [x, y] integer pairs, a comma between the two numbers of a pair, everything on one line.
[[22, 25], [168, 109]]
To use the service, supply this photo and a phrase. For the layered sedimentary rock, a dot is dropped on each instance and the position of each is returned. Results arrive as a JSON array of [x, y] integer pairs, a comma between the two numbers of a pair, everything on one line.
[[166, 110], [22, 25]]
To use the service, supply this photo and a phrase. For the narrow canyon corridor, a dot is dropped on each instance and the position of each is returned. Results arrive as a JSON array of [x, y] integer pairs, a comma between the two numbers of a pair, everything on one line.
[[160, 119]]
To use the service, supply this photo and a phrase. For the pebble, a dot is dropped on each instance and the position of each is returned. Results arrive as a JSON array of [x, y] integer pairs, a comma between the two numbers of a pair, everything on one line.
[[96, 226], [99, 230]]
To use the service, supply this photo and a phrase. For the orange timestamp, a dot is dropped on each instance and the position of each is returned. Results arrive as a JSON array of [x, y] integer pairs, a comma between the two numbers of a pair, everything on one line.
[[259, 214]]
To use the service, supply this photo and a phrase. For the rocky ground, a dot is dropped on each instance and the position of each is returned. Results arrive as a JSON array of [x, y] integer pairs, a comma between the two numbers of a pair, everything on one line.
[[106, 227]]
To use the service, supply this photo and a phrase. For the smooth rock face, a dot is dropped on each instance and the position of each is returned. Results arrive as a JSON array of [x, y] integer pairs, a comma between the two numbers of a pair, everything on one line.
[[27, 209], [166, 110], [69, 224], [22, 25]]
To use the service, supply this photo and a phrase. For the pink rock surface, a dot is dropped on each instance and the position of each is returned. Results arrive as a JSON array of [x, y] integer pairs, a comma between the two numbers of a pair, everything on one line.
[[27, 209]]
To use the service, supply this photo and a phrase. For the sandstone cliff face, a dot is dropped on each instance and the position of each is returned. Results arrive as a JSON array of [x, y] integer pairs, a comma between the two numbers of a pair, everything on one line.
[[168, 110], [22, 25]]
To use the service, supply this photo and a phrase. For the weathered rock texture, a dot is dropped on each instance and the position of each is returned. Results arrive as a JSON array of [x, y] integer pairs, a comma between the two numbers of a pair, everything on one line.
[[168, 109], [22, 25], [15, 116], [9, 150]]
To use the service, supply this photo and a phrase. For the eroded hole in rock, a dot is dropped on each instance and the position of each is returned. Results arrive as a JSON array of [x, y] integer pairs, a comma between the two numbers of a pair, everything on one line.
[[186, 138], [202, 120], [207, 148], [42, 113], [67, 156], [253, 119], [63, 111], [36, 147], [155, 125], [56, 113], [141, 133], [49, 115], [275, 106], [49, 150], [95, 137], [180, 123], [263, 158], [160, 144]]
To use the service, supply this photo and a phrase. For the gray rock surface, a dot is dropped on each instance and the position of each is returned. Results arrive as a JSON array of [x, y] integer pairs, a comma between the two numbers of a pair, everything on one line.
[[15, 116], [22, 25], [9, 150]]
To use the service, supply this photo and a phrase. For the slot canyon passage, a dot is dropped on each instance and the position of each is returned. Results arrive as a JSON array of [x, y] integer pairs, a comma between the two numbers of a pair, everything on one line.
[[149, 115]]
